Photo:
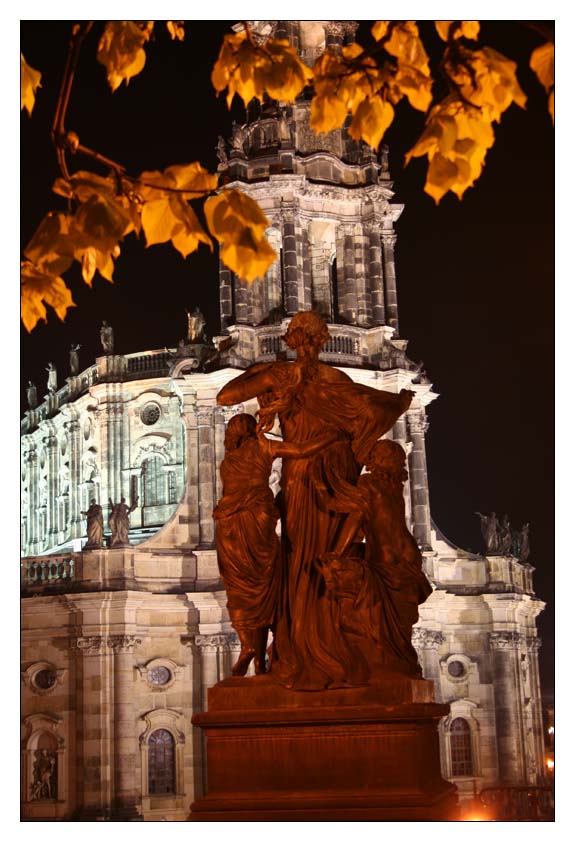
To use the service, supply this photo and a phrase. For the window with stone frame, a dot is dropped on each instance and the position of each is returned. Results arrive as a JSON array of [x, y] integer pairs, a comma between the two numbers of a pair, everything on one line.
[[161, 763], [461, 751], [153, 481]]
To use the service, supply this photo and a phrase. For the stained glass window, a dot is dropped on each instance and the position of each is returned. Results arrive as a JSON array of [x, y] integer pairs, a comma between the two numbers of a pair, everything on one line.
[[161, 763]]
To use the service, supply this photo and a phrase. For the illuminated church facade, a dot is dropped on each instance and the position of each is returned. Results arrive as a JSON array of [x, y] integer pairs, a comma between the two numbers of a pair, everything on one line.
[[120, 645]]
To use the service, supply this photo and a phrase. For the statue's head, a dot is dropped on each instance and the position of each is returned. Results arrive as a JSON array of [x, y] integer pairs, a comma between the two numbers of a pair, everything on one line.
[[307, 329], [240, 428], [386, 455]]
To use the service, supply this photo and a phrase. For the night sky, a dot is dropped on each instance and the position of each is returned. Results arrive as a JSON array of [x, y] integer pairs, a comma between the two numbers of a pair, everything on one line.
[[475, 278]]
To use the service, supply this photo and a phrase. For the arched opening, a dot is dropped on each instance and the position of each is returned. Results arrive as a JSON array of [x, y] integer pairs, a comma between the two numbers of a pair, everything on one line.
[[461, 751], [161, 763]]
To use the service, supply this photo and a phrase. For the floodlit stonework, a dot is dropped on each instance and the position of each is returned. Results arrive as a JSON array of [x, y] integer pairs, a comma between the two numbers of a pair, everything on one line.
[[119, 646]]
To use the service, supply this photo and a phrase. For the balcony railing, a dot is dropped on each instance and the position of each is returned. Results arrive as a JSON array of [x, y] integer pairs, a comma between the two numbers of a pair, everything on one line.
[[55, 570]]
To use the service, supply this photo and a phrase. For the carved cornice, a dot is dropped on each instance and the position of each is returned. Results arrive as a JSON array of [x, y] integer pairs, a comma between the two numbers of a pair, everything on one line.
[[123, 644], [93, 645], [427, 638], [224, 640], [505, 639]]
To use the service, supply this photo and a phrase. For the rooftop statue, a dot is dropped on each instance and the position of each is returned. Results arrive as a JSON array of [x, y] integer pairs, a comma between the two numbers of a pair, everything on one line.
[[314, 647], [74, 359], [94, 526], [119, 522], [196, 325], [32, 395], [107, 338], [489, 531], [52, 378]]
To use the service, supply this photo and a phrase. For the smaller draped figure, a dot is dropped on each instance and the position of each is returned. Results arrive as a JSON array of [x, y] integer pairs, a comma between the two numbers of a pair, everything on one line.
[[119, 522], [94, 526], [375, 573], [249, 556]]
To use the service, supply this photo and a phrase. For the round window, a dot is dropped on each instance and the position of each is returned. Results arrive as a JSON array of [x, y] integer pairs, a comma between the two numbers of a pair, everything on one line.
[[150, 414], [159, 676], [45, 679], [456, 669]]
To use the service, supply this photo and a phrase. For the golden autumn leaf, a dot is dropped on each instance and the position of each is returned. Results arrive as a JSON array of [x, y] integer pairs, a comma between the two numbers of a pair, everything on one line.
[[171, 218], [250, 69], [542, 62], [239, 224], [465, 29], [38, 289], [455, 140], [51, 247], [412, 77], [176, 29], [379, 29], [488, 80], [121, 49], [371, 119], [30, 81], [327, 113]]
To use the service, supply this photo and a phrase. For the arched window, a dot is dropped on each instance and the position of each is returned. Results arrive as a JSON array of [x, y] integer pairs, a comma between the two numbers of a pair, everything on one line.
[[461, 754], [161, 763], [153, 481]]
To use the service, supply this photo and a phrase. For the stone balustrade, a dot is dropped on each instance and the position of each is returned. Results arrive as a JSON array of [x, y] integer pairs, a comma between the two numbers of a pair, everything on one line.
[[41, 571]]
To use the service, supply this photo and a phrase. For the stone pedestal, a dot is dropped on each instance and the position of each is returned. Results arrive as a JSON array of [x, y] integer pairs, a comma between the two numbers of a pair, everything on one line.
[[357, 754]]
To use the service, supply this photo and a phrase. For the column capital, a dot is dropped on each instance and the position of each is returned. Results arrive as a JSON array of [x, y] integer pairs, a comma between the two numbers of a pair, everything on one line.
[[92, 645], [417, 422], [505, 640], [427, 638], [222, 640], [123, 644]]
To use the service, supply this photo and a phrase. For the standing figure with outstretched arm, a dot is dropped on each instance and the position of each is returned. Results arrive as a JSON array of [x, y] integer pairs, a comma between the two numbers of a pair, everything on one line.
[[247, 544], [311, 398]]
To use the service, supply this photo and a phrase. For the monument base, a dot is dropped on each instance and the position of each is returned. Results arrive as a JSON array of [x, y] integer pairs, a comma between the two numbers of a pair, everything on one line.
[[354, 754]]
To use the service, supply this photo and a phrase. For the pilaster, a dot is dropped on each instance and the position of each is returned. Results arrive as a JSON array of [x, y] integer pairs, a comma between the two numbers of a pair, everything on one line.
[[391, 310], [416, 426], [505, 647]]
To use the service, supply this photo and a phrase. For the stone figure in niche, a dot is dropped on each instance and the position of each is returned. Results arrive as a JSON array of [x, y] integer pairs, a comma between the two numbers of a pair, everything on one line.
[[74, 359], [247, 544], [107, 338], [32, 395], [489, 531], [312, 648], [196, 325], [44, 775], [387, 583], [95, 526], [221, 150], [504, 535], [238, 136], [52, 378], [119, 522]]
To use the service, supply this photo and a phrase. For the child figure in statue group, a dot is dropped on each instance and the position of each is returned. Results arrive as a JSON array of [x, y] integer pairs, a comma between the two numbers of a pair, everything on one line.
[[379, 584], [248, 547]]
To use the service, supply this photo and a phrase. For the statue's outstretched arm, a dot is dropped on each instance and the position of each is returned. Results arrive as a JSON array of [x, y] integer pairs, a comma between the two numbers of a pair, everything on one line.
[[296, 450], [257, 379]]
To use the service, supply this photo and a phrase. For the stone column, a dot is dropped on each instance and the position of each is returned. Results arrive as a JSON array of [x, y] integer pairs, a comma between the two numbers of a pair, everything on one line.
[[533, 646], [50, 442], [350, 306], [127, 788], [505, 647], [362, 286], [206, 474], [73, 433], [226, 300], [291, 296], [376, 278], [426, 642], [191, 499], [416, 425], [213, 651], [94, 763], [33, 499], [391, 313], [306, 268], [240, 291], [334, 36], [219, 450]]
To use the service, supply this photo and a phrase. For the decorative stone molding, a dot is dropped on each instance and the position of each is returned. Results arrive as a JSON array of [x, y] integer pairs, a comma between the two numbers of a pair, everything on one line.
[[427, 638], [215, 641], [33, 677], [505, 639], [93, 645], [533, 644], [123, 644]]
